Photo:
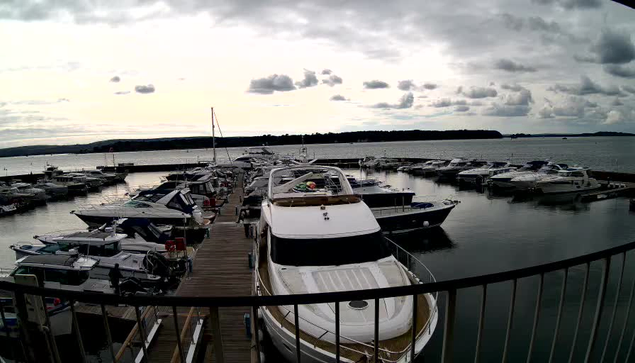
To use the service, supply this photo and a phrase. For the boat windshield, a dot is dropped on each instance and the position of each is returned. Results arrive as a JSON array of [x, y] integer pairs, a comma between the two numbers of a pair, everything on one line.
[[328, 251], [64, 277]]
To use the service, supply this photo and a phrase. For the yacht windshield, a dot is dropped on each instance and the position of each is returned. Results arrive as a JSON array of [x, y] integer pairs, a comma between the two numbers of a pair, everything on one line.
[[328, 251]]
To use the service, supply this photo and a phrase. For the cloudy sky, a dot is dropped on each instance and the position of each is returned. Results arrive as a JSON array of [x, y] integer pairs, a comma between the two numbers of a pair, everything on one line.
[[86, 70]]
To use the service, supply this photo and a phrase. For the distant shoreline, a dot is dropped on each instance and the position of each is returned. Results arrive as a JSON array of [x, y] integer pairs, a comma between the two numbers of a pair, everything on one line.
[[205, 142], [595, 134]]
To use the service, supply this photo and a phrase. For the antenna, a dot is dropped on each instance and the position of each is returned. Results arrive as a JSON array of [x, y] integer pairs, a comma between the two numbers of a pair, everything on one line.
[[213, 136]]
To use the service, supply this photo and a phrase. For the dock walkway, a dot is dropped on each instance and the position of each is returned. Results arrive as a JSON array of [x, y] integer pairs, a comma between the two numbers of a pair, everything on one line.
[[221, 268]]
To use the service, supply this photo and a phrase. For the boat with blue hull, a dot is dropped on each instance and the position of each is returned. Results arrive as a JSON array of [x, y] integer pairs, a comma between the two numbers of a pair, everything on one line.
[[413, 217]]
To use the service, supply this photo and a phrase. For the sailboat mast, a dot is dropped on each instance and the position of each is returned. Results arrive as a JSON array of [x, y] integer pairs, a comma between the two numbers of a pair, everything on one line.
[[213, 136]]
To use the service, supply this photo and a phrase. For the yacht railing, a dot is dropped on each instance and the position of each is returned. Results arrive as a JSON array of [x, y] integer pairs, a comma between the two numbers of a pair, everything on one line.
[[603, 321]]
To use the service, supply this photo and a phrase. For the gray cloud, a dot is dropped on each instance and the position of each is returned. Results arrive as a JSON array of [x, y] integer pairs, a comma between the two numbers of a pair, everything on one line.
[[498, 110], [310, 80], [462, 108], [586, 87], [520, 98], [629, 89], [275, 82], [511, 66], [338, 98], [332, 80], [375, 84], [122, 92], [326, 71], [571, 4], [623, 114], [406, 85], [571, 106], [617, 102], [430, 86], [611, 47], [144, 89], [406, 101], [446, 102], [478, 92], [619, 70], [512, 87], [115, 79]]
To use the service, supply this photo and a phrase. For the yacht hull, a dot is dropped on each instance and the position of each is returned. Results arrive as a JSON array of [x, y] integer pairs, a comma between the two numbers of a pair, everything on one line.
[[412, 219], [96, 221], [285, 341], [390, 199]]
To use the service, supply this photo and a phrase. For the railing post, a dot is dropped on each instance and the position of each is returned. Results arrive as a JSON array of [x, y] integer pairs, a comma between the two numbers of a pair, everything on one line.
[[376, 340], [296, 318], [585, 287], [563, 291], [142, 334], [628, 314], [413, 338], [481, 324], [178, 334], [617, 298], [78, 334], [254, 314], [510, 318], [216, 332], [534, 327], [23, 317], [448, 330], [337, 332], [599, 308], [104, 314], [50, 337]]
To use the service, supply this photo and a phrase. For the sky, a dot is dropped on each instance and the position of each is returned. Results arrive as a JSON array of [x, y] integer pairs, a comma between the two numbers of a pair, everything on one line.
[[88, 70]]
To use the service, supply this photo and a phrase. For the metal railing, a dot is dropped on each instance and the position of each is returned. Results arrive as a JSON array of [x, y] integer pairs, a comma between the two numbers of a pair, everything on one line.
[[596, 348]]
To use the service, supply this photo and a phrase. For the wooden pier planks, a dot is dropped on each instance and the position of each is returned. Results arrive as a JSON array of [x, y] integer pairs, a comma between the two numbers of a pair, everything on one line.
[[221, 268]]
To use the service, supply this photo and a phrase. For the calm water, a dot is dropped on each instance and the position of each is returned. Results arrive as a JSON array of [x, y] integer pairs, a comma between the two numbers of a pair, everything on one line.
[[484, 234], [599, 153]]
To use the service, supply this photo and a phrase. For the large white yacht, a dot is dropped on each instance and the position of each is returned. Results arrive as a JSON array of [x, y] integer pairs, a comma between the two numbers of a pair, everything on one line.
[[316, 236], [174, 208], [567, 181], [525, 179], [481, 174], [502, 180]]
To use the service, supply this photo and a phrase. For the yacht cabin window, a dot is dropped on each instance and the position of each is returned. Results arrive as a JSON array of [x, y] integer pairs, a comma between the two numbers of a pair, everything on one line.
[[64, 277], [328, 251]]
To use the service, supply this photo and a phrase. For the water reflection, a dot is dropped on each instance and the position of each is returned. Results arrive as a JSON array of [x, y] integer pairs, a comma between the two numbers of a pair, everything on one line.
[[424, 241]]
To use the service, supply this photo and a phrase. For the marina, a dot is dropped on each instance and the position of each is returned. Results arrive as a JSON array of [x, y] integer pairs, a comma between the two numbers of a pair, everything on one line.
[[222, 261]]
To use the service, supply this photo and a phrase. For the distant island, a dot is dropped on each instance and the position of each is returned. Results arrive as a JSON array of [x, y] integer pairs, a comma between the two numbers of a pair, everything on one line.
[[599, 133], [202, 142]]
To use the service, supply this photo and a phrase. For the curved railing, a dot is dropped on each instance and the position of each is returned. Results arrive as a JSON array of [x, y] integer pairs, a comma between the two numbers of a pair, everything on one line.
[[449, 287]]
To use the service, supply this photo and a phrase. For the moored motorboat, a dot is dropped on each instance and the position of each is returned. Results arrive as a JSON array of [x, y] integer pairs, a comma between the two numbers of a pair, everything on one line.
[[428, 168], [316, 235], [375, 195], [568, 181], [175, 208], [413, 217], [482, 174]]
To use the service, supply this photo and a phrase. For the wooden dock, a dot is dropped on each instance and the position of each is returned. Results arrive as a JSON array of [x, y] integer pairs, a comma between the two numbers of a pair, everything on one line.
[[221, 268]]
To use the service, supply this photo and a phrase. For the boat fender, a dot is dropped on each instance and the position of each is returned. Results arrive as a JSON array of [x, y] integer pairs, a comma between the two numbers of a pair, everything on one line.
[[247, 322]]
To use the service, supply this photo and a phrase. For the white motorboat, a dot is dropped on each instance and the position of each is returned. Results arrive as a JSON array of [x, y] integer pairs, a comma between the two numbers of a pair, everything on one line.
[[316, 236], [428, 168], [39, 195], [175, 208], [74, 187], [61, 272], [568, 181], [106, 178], [376, 195], [528, 181], [502, 180], [455, 167], [54, 191], [482, 174], [91, 182]]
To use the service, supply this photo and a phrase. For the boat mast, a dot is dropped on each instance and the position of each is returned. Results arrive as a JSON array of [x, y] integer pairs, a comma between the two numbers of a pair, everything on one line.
[[213, 136]]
